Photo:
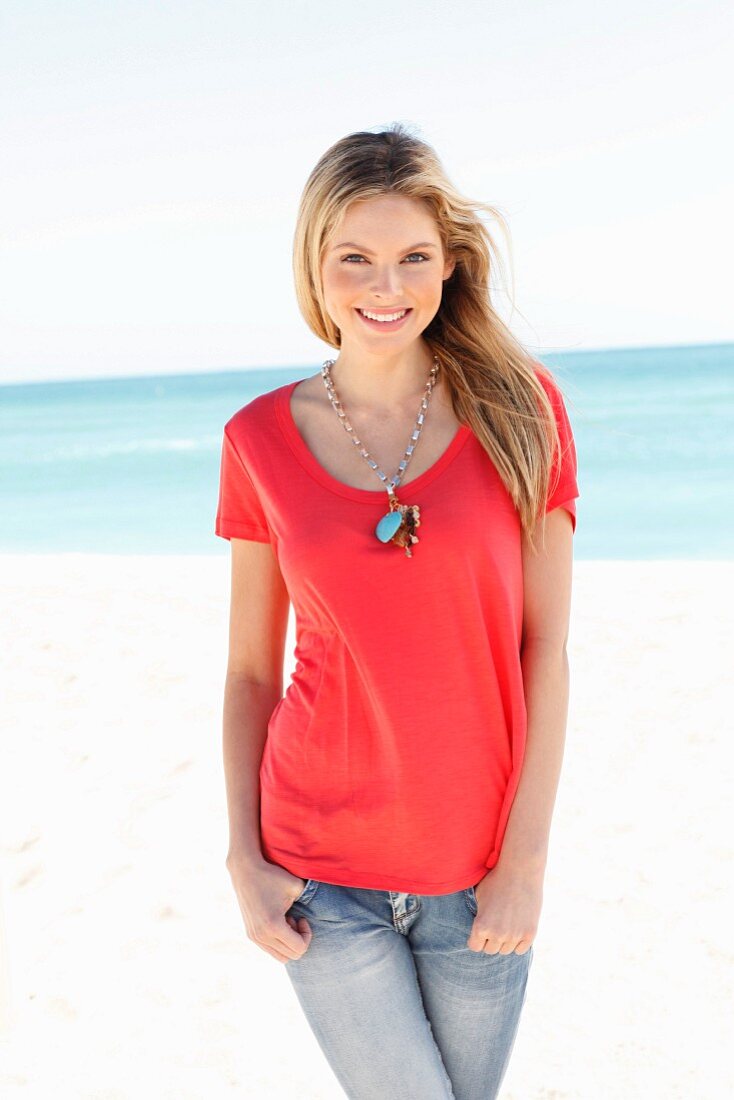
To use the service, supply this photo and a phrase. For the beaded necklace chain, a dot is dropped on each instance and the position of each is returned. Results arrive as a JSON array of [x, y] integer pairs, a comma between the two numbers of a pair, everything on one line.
[[399, 524]]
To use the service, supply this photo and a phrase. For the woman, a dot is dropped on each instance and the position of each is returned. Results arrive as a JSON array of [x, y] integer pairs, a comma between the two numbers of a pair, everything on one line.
[[415, 501]]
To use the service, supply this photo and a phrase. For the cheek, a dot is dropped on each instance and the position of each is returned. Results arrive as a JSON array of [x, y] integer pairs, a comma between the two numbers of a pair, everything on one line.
[[341, 281], [429, 288], [425, 279]]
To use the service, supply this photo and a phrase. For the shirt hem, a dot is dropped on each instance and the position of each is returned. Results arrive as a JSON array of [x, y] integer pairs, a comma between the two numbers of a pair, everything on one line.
[[366, 880], [227, 528]]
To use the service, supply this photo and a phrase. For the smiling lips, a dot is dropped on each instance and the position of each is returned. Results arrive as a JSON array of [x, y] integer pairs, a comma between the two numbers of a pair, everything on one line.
[[384, 320]]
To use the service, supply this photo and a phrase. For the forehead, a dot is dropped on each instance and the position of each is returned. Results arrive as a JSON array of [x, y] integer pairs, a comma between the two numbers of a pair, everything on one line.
[[387, 218]]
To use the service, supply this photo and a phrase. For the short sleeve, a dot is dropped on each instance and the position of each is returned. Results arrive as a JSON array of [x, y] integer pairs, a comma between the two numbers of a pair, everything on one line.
[[566, 491], [239, 512]]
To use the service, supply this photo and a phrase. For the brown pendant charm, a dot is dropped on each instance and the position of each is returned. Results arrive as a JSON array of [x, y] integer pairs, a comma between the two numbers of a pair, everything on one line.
[[405, 534]]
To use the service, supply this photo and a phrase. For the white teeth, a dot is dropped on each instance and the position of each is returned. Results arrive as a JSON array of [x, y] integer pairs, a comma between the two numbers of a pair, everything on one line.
[[384, 316]]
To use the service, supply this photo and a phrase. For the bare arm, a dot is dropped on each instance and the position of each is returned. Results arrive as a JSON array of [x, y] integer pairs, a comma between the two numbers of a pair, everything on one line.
[[509, 897], [546, 613], [546, 676], [254, 684]]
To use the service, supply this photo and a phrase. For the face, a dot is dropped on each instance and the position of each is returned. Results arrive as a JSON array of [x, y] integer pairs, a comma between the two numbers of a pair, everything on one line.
[[385, 258]]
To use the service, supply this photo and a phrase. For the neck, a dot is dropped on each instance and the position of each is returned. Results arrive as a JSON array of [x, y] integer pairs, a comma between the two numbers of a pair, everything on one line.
[[384, 383]]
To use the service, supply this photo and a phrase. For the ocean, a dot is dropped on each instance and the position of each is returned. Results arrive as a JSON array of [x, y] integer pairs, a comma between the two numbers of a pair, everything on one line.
[[131, 465]]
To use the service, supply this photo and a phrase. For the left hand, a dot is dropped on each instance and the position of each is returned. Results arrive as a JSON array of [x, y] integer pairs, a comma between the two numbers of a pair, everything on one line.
[[509, 900]]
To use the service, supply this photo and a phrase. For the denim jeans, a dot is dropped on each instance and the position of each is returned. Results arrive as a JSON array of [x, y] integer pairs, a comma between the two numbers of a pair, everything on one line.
[[398, 1003]]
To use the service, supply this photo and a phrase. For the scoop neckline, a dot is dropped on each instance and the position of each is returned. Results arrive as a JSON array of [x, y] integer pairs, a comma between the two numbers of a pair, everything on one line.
[[321, 474]]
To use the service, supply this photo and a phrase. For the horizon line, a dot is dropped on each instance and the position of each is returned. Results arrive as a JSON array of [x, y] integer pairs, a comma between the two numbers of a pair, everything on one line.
[[214, 371]]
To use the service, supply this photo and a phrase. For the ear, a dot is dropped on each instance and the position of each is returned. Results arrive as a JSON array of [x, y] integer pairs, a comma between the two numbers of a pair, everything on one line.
[[448, 269]]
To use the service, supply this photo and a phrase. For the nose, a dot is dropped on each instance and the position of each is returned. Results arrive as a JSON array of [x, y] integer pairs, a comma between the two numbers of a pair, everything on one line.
[[387, 282]]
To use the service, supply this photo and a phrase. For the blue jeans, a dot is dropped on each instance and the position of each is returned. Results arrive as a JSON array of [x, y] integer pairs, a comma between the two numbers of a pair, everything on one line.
[[398, 1003]]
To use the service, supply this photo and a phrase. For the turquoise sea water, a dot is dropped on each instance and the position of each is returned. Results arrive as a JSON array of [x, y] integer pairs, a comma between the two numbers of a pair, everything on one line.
[[131, 465]]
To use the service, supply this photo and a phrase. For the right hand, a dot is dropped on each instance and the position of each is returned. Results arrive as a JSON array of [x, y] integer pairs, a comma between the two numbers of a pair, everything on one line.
[[265, 892]]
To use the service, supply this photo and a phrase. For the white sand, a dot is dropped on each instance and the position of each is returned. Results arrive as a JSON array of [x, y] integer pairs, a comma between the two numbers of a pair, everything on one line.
[[127, 972]]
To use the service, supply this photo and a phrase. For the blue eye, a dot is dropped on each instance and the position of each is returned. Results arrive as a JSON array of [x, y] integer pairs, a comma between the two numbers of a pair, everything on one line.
[[356, 256]]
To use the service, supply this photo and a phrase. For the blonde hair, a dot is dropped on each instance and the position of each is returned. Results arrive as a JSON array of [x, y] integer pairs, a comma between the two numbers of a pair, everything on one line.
[[496, 386]]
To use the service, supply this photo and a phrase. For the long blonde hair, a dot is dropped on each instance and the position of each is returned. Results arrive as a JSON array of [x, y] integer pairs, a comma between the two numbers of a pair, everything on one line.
[[493, 381]]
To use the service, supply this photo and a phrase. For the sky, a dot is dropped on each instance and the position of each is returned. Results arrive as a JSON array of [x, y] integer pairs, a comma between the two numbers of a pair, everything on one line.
[[154, 157]]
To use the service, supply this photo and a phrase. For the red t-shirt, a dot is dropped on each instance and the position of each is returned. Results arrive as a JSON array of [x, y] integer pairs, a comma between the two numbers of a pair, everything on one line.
[[392, 760]]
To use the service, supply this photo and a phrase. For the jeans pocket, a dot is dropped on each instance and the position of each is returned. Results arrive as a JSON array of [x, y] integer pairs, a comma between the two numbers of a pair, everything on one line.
[[471, 900], [308, 891]]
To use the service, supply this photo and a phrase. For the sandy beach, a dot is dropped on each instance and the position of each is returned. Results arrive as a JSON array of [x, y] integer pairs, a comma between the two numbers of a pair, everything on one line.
[[126, 972]]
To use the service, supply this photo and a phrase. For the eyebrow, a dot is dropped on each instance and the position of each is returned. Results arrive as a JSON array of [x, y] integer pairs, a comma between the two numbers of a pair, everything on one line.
[[361, 248]]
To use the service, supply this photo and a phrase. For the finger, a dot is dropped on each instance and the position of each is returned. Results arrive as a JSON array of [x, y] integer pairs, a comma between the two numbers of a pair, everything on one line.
[[492, 944], [510, 947], [304, 930], [301, 926], [271, 951], [281, 941], [479, 940], [293, 941], [476, 938], [503, 947], [274, 951], [281, 956], [523, 947]]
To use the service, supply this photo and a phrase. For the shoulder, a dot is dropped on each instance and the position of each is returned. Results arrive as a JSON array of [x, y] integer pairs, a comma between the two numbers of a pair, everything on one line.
[[257, 415], [253, 431], [548, 382], [555, 395]]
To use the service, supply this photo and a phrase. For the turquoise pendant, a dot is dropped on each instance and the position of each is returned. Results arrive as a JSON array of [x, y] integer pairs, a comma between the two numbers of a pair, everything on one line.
[[399, 524], [388, 526]]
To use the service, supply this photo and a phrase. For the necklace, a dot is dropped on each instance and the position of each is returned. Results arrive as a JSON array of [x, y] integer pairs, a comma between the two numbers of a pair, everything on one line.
[[399, 523]]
